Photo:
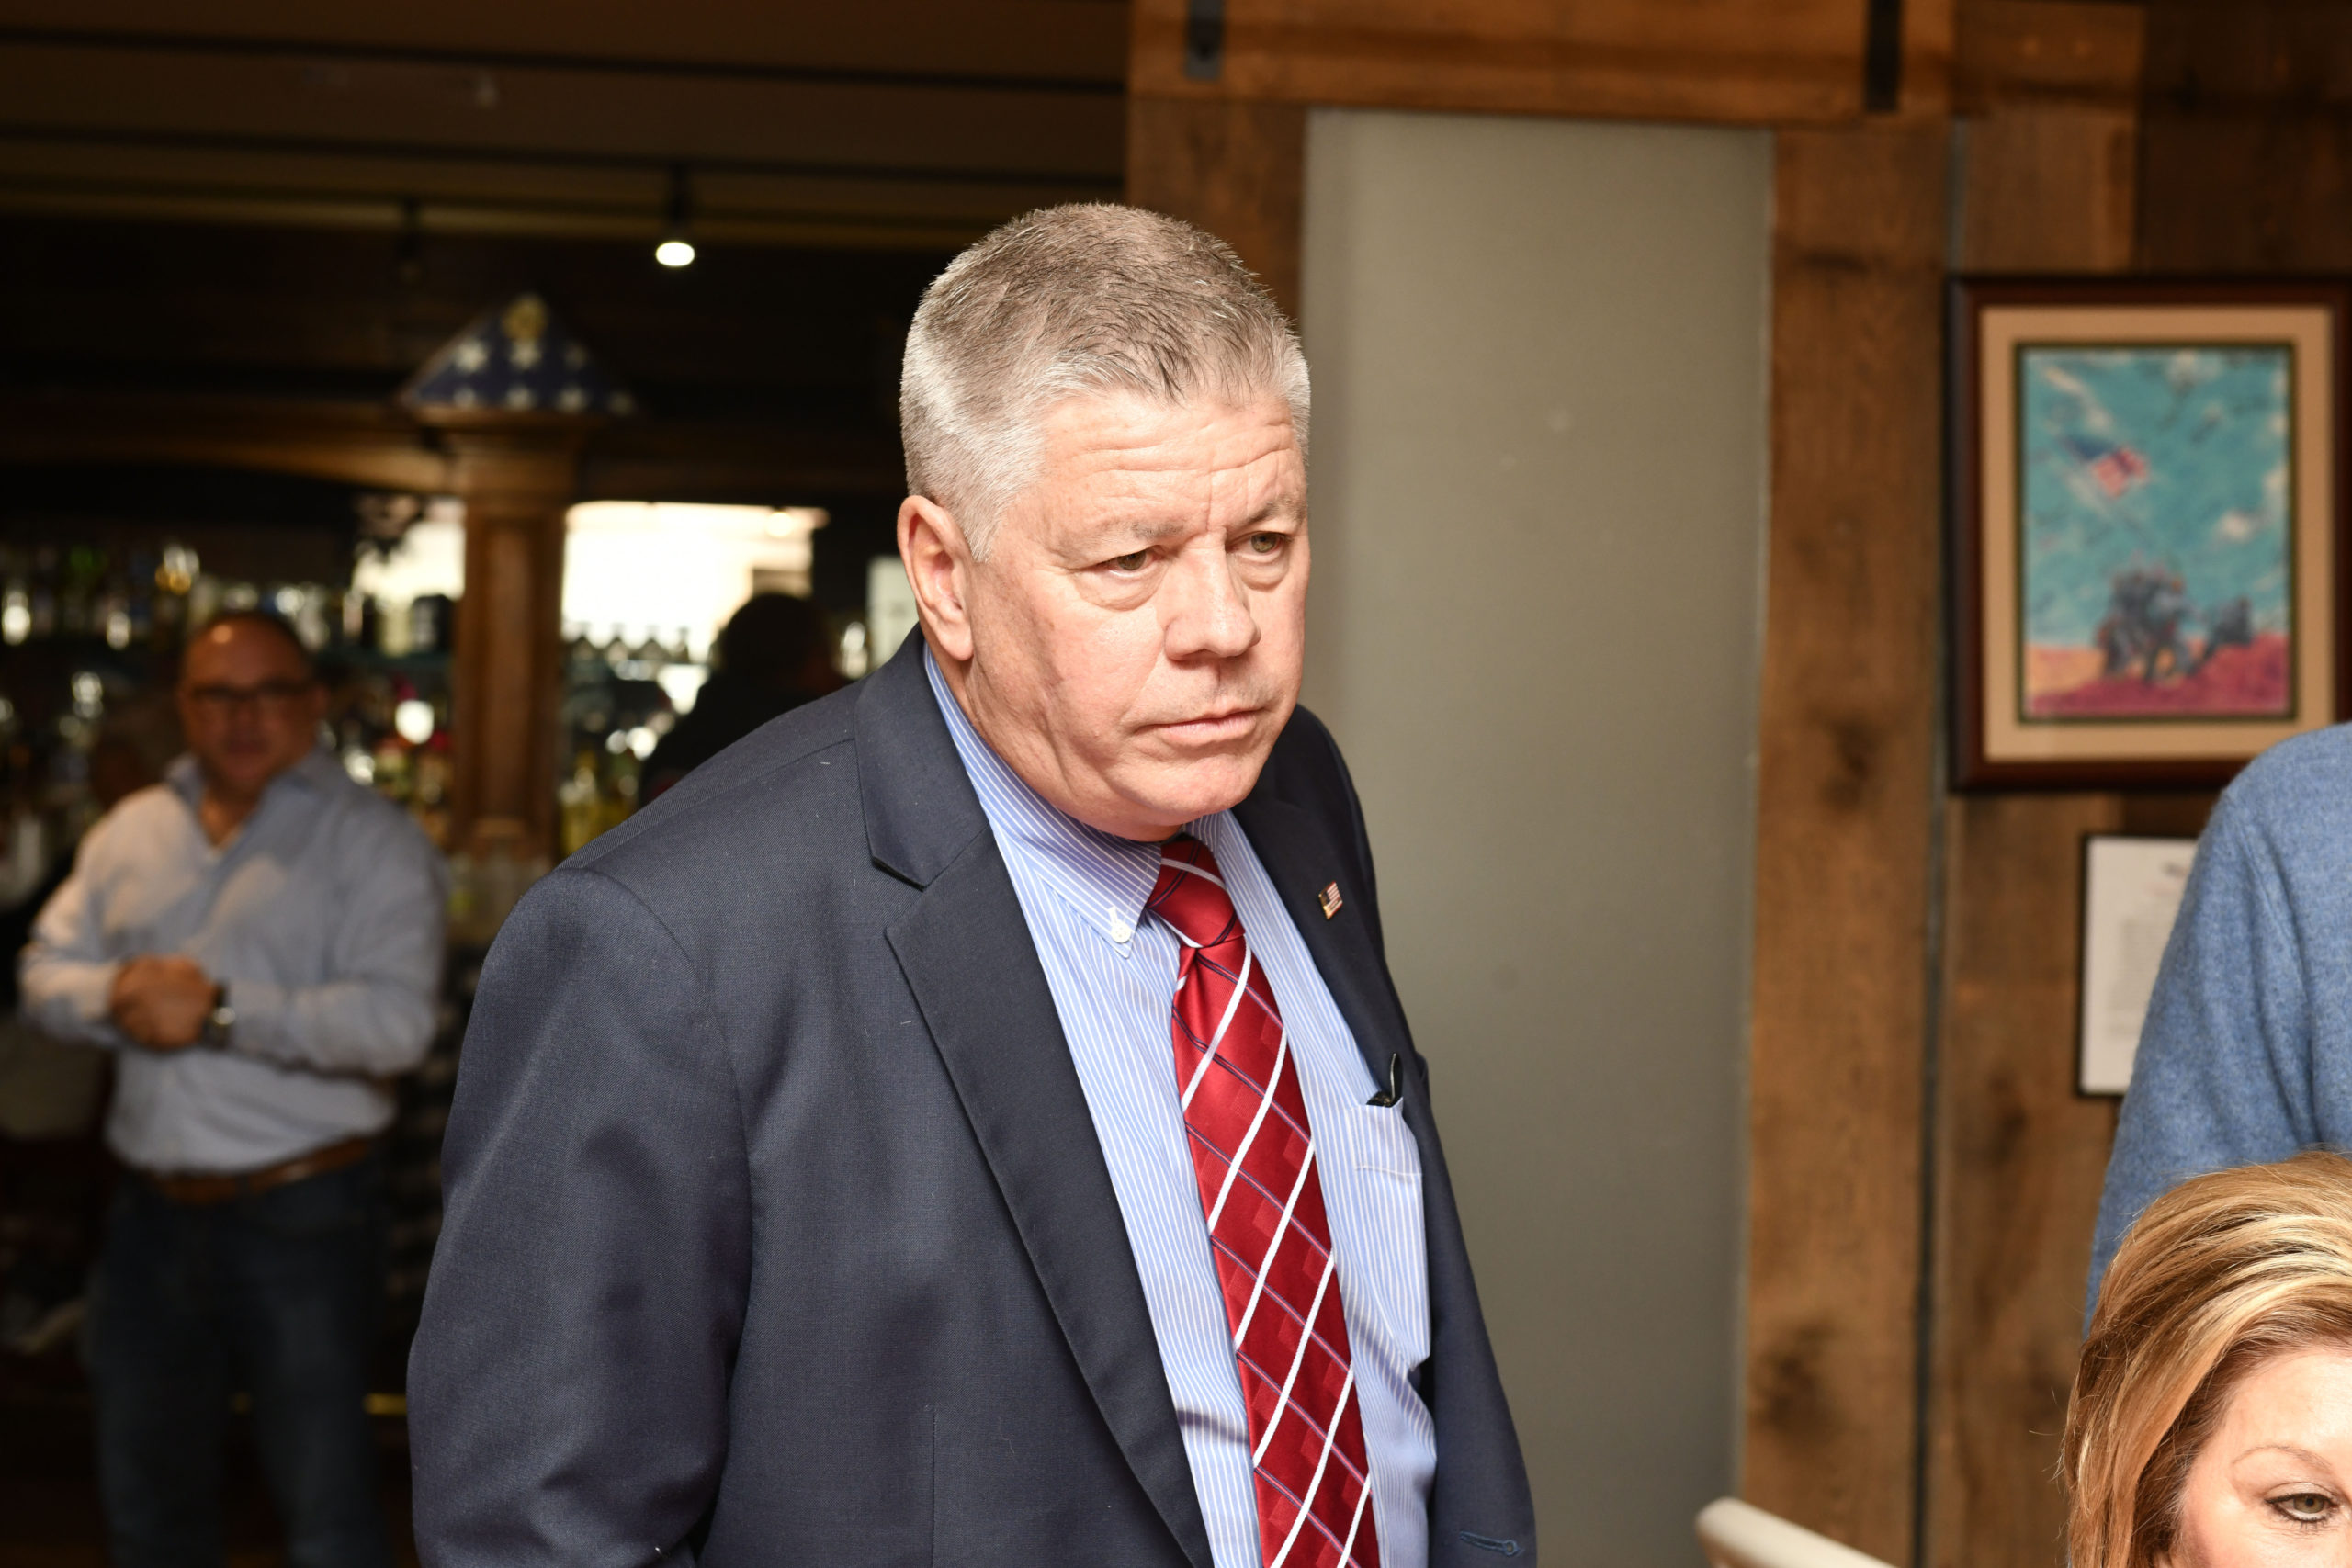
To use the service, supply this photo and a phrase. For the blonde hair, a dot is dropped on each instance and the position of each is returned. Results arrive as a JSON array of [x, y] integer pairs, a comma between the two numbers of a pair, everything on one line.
[[1065, 300], [2216, 1277]]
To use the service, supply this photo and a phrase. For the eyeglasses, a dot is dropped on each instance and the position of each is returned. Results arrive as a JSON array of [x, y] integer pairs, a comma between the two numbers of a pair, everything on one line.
[[270, 696]]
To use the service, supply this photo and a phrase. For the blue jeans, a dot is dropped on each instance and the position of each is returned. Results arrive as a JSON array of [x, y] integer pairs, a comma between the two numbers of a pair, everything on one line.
[[277, 1295]]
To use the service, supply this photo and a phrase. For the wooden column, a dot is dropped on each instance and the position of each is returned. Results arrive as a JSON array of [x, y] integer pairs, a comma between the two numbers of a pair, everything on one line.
[[1846, 778], [516, 477], [1235, 168]]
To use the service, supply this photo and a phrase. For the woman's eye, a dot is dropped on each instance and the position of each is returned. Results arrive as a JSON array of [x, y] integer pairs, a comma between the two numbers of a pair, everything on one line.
[[2305, 1507]]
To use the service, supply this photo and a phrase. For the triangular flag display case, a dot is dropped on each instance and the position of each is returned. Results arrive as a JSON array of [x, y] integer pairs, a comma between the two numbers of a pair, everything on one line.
[[517, 358]]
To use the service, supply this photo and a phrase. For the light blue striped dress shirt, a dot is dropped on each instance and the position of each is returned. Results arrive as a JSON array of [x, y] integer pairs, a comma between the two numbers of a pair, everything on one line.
[[1112, 973]]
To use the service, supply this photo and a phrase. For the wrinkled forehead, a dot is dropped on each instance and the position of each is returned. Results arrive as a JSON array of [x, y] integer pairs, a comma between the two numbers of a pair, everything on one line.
[[1125, 442]]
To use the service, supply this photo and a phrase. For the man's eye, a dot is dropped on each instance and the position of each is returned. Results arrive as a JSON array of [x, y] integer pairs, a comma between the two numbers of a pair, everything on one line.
[[1264, 544], [1135, 563], [2305, 1507]]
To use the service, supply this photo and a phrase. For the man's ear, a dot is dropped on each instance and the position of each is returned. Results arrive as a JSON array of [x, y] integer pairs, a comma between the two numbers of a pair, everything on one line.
[[939, 565]]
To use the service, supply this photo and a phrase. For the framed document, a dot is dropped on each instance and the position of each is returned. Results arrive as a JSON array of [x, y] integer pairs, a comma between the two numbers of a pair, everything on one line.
[[2148, 527], [2131, 889]]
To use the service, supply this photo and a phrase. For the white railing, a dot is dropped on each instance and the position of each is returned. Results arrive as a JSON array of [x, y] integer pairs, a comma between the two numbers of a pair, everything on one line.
[[1740, 1535]]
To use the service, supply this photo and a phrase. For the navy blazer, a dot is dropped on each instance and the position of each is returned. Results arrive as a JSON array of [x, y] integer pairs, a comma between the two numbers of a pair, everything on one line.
[[776, 1228]]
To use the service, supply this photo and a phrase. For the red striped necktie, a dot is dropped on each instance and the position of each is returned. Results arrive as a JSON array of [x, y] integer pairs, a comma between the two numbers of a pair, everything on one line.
[[1253, 1155]]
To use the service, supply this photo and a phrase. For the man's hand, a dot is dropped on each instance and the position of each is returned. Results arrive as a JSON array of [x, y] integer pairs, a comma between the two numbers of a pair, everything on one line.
[[160, 1001]]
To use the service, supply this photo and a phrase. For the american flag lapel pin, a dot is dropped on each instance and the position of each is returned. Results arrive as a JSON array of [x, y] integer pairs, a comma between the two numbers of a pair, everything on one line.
[[1330, 899]]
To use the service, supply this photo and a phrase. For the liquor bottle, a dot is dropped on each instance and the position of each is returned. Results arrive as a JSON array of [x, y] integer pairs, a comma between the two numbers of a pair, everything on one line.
[[582, 804], [395, 630], [15, 612], [431, 619], [77, 608], [583, 661], [43, 602]]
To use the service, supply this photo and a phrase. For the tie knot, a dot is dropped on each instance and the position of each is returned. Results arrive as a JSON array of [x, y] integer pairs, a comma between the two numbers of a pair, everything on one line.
[[1190, 896]]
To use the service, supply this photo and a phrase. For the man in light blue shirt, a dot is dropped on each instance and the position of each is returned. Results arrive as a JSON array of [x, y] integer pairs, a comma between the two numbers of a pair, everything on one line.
[[969, 1121], [1113, 972], [258, 942]]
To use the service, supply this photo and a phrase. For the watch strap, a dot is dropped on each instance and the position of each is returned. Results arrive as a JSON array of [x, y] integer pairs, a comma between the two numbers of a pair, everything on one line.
[[218, 1022]]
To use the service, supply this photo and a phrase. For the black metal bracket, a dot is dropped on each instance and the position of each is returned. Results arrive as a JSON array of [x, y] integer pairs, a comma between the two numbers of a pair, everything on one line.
[[1204, 39], [1882, 57]]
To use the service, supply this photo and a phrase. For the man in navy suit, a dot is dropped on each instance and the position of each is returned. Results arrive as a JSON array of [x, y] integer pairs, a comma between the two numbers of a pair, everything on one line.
[[969, 1119]]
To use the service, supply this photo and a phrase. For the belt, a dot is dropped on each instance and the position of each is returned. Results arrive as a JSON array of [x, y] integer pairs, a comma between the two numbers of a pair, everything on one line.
[[202, 1190]]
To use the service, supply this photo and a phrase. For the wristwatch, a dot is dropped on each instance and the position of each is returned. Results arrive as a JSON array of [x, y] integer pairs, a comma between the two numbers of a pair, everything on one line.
[[218, 1022]]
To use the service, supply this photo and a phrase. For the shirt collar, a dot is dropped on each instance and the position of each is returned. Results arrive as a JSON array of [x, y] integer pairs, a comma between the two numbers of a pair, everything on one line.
[[1104, 879], [317, 772]]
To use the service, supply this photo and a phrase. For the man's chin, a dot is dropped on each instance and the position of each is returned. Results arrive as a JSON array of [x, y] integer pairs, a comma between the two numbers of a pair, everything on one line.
[[1200, 787]]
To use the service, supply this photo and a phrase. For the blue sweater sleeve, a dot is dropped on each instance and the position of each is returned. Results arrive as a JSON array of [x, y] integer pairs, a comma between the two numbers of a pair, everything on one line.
[[2223, 1075]]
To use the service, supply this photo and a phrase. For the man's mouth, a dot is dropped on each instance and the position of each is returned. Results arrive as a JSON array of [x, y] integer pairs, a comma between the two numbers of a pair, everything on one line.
[[1224, 723]]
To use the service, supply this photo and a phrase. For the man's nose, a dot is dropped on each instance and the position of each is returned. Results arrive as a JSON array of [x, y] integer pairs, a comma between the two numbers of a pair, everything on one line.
[[1209, 612]]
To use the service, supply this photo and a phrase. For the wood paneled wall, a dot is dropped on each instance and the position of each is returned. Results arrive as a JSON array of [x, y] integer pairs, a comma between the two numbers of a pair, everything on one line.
[[1848, 744], [1729, 61], [2248, 147], [2046, 185], [1923, 1177], [2179, 137], [1846, 770]]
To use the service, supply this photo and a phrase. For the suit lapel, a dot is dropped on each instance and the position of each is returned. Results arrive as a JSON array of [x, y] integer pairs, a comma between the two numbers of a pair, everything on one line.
[[1300, 859], [966, 953]]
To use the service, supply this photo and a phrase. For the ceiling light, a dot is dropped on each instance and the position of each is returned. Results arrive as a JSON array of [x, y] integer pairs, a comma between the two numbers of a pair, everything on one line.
[[675, 253]]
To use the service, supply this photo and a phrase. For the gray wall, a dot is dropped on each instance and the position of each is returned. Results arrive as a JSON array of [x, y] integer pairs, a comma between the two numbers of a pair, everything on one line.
[[1538, 490]]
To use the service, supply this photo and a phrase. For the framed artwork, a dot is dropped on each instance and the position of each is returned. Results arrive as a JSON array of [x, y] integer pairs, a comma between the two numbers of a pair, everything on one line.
[[2148, 525], [2131, 893]]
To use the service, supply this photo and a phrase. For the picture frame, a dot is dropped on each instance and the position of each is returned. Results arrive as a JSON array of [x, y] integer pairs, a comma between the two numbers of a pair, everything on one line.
[[2132, 886], [2148, 525]]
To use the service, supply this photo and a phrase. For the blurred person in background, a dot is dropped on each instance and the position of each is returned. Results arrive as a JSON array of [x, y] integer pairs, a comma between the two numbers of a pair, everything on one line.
[[258, 940], [774, 654], [2211, 1425]]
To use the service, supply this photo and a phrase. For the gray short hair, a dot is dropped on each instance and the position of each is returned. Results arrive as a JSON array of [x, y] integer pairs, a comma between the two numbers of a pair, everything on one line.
[[1068, 300]]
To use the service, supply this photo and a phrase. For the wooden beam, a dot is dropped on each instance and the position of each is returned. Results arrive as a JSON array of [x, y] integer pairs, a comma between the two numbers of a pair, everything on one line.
[[357, 444], [1846, 777], [374, 446], [1735, 62], [869, 127], [2083, 53], [656, 459], [2245, 137], [2048, 174], [1235, 168], [1051, 41]]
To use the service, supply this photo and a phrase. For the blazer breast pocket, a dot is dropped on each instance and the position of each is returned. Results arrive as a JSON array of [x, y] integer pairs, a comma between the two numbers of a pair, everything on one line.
[[1388, 1176]]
